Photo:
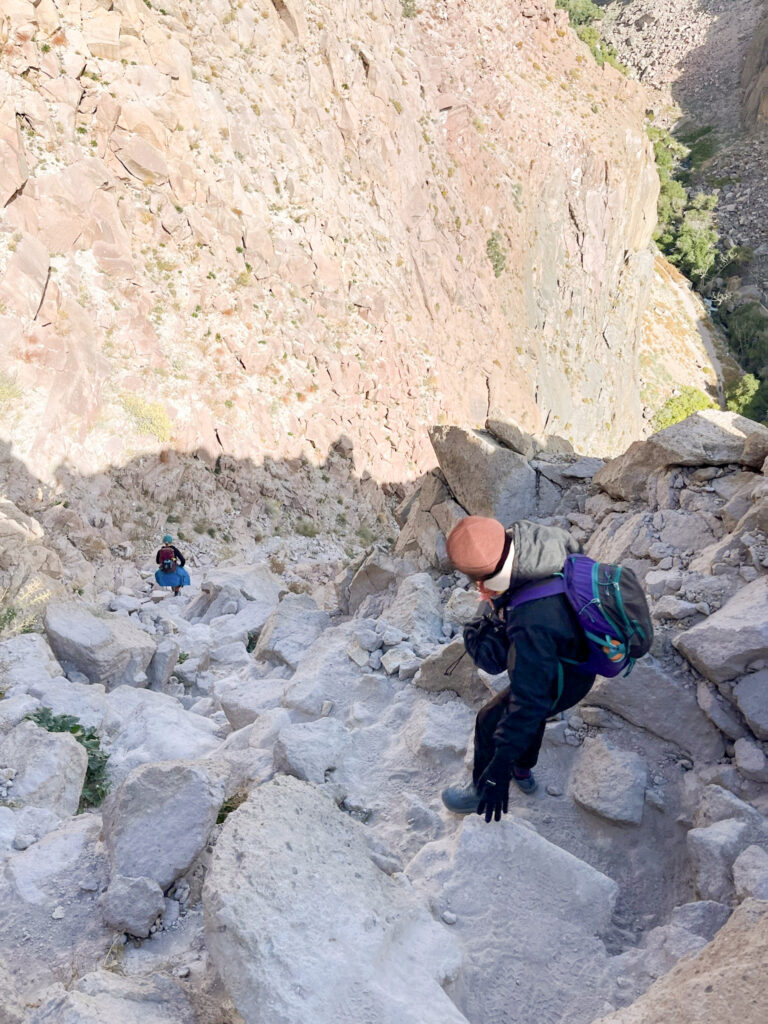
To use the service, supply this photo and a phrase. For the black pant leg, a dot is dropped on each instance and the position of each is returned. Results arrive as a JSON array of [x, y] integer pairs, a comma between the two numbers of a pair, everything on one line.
[[530, 755], [488, 717]]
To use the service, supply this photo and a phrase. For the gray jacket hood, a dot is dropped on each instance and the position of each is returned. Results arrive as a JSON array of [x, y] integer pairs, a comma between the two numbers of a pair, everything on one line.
[[539, 550]]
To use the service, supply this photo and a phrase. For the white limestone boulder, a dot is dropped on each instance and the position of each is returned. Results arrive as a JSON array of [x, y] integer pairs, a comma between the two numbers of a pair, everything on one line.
[[610, 782], [712, 851], [416, 608], [528, 915], [159, 819], [109, 650], [725, 644], [246, 696], [326, 675], [49, 768], [141, 726], [290, 630], [26, 658], [312, 750], [84, 701], [658, 701], [440, 731], [486, 478], [354, 945], [14, 709], [132, 904], [707, 438], [107, 996]]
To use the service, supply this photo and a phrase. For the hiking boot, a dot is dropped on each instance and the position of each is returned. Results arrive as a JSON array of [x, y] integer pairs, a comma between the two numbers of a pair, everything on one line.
[[523, 779], [461, 799], [176, 591]]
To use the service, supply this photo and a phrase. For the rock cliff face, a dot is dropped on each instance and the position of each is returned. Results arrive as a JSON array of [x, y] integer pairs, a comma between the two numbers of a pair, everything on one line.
[[255, 227]]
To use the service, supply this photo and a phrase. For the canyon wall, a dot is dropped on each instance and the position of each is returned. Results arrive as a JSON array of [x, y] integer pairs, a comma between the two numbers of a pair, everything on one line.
[[256, 228]]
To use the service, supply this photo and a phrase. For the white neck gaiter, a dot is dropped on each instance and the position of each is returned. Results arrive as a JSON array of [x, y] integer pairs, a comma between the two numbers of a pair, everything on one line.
[[500, 582]]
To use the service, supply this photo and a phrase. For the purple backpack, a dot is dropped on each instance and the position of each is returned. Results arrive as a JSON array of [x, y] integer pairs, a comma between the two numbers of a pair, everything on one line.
[[610, 606]]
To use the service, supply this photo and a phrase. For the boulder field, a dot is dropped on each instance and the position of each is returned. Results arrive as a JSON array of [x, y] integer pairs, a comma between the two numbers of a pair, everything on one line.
[[272, 846]]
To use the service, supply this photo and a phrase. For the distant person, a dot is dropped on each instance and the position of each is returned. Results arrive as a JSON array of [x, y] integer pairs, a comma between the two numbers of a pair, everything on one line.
[[171, 561], [547, 645]]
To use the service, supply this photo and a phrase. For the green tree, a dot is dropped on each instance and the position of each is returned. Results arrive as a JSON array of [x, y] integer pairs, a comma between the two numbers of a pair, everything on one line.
[[741, 395]]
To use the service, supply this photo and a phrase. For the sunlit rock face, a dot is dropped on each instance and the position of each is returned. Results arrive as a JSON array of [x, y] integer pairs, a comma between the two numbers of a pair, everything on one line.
[[255, 229]]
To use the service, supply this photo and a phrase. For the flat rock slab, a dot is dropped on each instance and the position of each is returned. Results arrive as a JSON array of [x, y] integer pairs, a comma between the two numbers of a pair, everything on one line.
[[302, 926], [610, 782], [725, 644], [660, 703], [105, 996], [528, 914], [291, 628]]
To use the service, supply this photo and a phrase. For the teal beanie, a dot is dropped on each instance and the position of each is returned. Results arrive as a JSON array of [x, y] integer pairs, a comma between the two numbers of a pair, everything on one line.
[[167, 539]]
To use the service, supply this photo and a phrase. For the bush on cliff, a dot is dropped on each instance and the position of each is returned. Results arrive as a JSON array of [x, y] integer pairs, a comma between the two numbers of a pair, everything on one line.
[[680, 406]]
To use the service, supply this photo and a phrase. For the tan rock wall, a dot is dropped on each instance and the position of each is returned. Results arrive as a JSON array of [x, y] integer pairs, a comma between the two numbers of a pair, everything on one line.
[[268, 225]]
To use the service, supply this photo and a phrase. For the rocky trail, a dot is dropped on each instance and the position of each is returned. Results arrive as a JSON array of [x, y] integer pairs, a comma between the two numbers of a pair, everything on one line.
[[273, 847]]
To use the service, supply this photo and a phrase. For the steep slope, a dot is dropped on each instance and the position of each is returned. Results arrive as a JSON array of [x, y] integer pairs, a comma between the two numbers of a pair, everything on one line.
[[253, 228]]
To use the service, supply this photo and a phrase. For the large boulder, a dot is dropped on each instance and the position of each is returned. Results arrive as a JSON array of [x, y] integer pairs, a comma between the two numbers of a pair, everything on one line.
[[142, 726], [416, 608], [50, 768], [610, 782], [301, 925], [109, 650], [528, 915], [728, 641], [487, 478], [751, 695], [659, 702], [159, 819], [707, 438], [25, 658], [291, 628]]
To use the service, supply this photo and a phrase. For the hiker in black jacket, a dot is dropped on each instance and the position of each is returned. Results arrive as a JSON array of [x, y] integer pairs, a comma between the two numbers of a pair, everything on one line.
[[545, 639]]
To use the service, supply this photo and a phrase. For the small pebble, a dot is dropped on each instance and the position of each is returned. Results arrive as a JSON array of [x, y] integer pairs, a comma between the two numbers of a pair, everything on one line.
[[449, 917], [554, 790], [58, 913]]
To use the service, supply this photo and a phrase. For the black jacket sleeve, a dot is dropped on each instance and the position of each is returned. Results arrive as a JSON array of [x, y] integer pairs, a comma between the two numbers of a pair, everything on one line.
[[179, 557]]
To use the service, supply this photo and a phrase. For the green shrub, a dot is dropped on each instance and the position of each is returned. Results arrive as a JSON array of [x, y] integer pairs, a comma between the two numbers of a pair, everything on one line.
[[741, 395], [496, 254], [96, 784], [695, 247], [680, 407], [748, 337], [581, 12], [9, 390], [148, 417], [409, 8]]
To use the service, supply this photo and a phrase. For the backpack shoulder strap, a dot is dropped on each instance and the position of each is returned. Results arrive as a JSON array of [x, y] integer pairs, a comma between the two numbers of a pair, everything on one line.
[[532, 591]]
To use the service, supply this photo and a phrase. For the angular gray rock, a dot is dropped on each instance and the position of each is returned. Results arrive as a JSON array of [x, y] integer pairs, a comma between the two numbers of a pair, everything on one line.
[[291, 628], [310, 750], [712, 851], [159, 819], [163, 663], [707, 438], [300, 920], [610, 782], [750, 873], [50, 768], [416, 608], [658, 701], [109, 650], [106, 996], [725, 644], [486, 478], [464, 678], [132, 904], [517, 900], [751, 695]]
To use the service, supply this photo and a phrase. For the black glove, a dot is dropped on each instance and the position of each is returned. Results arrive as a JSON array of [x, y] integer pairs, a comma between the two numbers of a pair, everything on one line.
[[493, 788]]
